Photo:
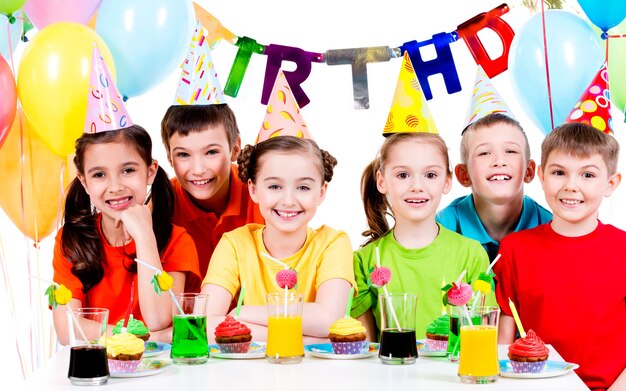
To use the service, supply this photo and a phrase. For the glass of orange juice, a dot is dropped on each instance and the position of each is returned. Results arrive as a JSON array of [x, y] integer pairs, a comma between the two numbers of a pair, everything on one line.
[[478, 361], [284, 328]]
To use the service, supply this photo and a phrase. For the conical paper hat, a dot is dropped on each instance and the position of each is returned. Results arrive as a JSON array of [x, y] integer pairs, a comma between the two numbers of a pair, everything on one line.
[[105, 107], [198, 84], [282, 116], [594, 106], [409, 112], [485, 100]]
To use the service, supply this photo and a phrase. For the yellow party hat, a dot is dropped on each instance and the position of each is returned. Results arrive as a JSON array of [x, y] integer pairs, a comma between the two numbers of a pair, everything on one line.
[[409, 112]]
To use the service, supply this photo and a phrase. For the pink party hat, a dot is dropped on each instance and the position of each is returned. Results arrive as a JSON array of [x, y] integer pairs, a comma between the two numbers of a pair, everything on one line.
[[198, 83], [409, 112], [105, 107], [485, 100], [282, 116], [594, 106]]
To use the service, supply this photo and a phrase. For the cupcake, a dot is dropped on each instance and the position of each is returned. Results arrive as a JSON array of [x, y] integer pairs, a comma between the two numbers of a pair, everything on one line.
[[347, 336], [233, 336], [437, 333], [135, 327], [528, 354], [124, 352]]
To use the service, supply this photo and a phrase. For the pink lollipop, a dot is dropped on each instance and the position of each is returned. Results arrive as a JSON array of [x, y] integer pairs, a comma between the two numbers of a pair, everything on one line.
[[459, 294], [286, 278], [380, 276]]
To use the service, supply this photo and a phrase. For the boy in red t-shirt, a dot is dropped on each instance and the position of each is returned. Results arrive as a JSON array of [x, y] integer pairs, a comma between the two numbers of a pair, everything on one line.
[[568, 277], [202, 142]]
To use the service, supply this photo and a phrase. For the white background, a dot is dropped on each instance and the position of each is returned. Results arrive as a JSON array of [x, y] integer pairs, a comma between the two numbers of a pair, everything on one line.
[[352, 136]]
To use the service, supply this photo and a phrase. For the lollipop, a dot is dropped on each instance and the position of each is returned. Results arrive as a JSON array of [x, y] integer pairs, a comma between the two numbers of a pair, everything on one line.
[[58, 295], [287, 278]]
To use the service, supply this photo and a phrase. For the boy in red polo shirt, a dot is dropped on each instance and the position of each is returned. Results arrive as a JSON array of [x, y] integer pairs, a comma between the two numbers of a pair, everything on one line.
[[202, 140]]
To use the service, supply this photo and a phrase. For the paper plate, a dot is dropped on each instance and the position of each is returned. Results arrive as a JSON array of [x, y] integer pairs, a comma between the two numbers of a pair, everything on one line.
[[148, 367], [155, 348], [325, 350], [257, 350], [424, 351], [552, 369]]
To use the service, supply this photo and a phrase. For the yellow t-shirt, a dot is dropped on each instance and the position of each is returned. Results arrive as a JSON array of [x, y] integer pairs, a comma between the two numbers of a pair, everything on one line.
[[326, 254]]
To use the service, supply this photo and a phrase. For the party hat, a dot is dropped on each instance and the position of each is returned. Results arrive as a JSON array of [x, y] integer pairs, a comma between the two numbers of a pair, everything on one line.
[[105, 107], [409, 112], [282, 116], [594, 106], [485, 100], [198, 83]]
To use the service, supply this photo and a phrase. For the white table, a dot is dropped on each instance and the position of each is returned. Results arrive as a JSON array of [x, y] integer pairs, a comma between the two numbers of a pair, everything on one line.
[[311, 374]]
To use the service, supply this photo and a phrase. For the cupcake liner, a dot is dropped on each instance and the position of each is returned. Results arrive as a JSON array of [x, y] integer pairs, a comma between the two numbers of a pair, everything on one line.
[[528, 366], [436, 344], [125, 366], [348, 347], [235, 347]]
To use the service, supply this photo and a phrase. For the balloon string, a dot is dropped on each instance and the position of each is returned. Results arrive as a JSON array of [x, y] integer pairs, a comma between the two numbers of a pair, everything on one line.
[[545, 51]]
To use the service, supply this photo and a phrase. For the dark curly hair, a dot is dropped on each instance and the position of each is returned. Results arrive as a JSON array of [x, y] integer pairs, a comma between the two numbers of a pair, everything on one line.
[[250, 156]]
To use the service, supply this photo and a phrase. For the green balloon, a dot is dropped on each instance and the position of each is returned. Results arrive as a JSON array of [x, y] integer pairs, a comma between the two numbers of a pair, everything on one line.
[[7, 7], [617, 59]]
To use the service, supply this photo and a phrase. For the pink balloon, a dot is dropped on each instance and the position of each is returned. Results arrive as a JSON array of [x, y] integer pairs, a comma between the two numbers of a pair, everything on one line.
[[8, 103], [45, 12]]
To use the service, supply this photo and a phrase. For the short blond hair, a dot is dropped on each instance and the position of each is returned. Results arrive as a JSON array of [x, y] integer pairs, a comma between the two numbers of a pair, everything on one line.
[[485, 122], [582, 141]]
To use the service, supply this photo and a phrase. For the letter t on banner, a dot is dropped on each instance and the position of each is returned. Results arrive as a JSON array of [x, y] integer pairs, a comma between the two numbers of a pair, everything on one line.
[[444, 63], [276, 54], [247, 46], [469, 32], [359, 58]]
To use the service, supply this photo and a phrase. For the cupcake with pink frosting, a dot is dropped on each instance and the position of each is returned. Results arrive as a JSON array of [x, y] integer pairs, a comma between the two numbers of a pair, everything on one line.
[[233, 336], [528, 354]]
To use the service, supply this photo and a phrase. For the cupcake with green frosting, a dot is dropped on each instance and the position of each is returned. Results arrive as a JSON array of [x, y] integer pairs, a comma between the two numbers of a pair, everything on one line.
[[437, 334], [135, 327]]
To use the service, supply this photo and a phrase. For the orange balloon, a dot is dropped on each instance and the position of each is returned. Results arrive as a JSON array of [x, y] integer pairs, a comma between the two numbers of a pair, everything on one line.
[[30, 170]]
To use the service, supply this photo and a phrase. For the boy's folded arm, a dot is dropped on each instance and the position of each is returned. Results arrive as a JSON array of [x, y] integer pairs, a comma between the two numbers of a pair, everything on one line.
[[619, 383], [506, 330]]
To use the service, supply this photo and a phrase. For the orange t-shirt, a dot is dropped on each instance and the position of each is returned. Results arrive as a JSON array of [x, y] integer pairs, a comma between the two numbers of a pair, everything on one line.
[[206, 228], [113, 291]]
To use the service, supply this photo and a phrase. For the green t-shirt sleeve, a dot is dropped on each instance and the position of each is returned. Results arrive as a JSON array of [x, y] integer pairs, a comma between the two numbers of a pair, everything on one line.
[[366, 296]]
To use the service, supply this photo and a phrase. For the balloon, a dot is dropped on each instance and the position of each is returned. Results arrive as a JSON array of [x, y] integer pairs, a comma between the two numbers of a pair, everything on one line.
[[148, 39], [7, 7], [9, 99], [617, 59], [574, 56], [31, 171], [605, 13], [45, 12], [15, 33], [53, 82]]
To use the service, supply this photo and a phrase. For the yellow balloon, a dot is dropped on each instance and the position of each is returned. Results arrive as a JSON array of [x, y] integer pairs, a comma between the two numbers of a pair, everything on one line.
[[53, 82], [32, 181]]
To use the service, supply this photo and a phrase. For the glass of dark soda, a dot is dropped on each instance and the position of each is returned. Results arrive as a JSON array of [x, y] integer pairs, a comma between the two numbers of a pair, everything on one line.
[[88, 358], [397, 333]]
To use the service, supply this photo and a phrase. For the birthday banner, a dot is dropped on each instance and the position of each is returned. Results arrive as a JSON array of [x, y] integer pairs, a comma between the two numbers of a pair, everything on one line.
[[358, 58]]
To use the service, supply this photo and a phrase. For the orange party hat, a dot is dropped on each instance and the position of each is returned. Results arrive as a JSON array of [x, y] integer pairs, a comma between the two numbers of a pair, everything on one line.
[[409, 112], [594, 106], [105, 107], [282, 116], [485, 100]]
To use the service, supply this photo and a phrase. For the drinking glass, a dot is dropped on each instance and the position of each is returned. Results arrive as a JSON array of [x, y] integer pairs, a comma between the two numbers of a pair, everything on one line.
[[189, 340], [88, 357], [397, 333], [478, 362], [284, 328]]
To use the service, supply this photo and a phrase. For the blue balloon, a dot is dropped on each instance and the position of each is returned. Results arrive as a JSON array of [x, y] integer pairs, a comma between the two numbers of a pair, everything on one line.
[[147, 38], [15, 34], [574, 57], [604, 13]]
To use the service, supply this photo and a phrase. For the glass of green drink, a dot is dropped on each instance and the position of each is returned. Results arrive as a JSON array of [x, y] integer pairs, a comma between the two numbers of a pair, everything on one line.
[[189, 340]]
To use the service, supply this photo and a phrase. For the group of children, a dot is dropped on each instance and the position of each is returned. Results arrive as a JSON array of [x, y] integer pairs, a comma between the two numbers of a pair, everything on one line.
[[218, 226]]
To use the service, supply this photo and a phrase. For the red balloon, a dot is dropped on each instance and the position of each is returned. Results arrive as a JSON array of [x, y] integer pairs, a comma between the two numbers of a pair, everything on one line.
[[8, 103]]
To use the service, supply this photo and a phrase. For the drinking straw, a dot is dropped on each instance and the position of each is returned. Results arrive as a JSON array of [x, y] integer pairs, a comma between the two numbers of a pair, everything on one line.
[[518, 322], [493, 262], [286, 268], [482, 296], [240, 300], [44, 280], [393, 312], [129, 310], [349, 305]]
